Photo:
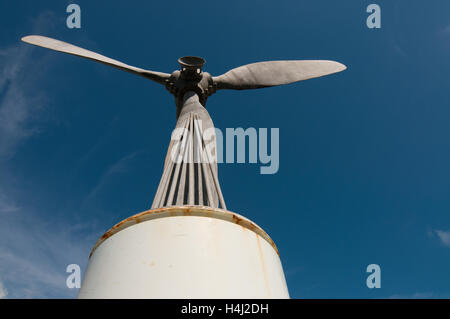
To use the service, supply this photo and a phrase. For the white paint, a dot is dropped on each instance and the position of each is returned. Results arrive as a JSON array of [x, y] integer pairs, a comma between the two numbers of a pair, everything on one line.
[[203, 256]]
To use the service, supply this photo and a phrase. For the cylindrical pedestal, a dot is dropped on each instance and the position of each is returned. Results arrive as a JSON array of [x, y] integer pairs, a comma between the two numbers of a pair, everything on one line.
[[184, 252]]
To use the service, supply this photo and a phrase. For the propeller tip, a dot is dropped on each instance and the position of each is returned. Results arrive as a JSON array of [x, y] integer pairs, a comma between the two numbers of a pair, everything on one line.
[[27, 38], [341, 67], [34, 39]]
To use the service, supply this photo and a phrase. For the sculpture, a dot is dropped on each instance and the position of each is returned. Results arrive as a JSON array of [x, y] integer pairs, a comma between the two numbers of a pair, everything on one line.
[[190, 175]]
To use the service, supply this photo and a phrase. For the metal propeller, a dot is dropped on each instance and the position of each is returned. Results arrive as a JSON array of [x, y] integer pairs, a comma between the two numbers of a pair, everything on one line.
[[250, 76], [194, 179], [272, 73], [61, 46]]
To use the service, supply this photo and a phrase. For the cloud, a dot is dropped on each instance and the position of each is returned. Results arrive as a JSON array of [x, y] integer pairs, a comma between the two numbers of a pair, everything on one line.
[[34, 248], [6, 206], [121, 166], [21, 104], [445, 31], [444, 236], [34, 254], [21, 100], [3, 291]]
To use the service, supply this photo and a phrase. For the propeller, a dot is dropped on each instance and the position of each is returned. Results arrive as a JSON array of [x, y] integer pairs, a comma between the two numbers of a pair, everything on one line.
[[249, 76], [272, 73], [61, 46]]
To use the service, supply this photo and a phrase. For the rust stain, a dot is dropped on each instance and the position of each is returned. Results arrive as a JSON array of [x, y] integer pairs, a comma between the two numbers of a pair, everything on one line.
[[238, 221], [201, 211], [263, 264]]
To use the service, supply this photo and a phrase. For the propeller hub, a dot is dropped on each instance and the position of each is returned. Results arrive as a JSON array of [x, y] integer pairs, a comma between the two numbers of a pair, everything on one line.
[[191, 67]]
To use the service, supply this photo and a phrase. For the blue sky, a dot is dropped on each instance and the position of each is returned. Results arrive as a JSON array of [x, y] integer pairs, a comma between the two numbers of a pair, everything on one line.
[[364, 154]]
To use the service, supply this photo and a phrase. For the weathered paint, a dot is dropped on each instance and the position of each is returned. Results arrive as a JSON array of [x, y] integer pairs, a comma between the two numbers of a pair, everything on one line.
[[202, 211], [185, 252]]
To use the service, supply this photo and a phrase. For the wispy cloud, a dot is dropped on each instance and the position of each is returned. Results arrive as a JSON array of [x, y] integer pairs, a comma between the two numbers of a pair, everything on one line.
[[121, 166], [34, 254], [21, 104], [3, 291], [6, 206], [34, 250], [20, 97], [445, 31], [444, 236]]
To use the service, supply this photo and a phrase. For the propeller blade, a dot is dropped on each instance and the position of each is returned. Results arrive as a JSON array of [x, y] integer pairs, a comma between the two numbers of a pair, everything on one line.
[[60, 46], [272, 73]]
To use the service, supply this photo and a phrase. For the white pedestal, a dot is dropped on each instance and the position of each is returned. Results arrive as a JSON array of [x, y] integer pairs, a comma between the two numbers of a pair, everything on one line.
[[185, 252]]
